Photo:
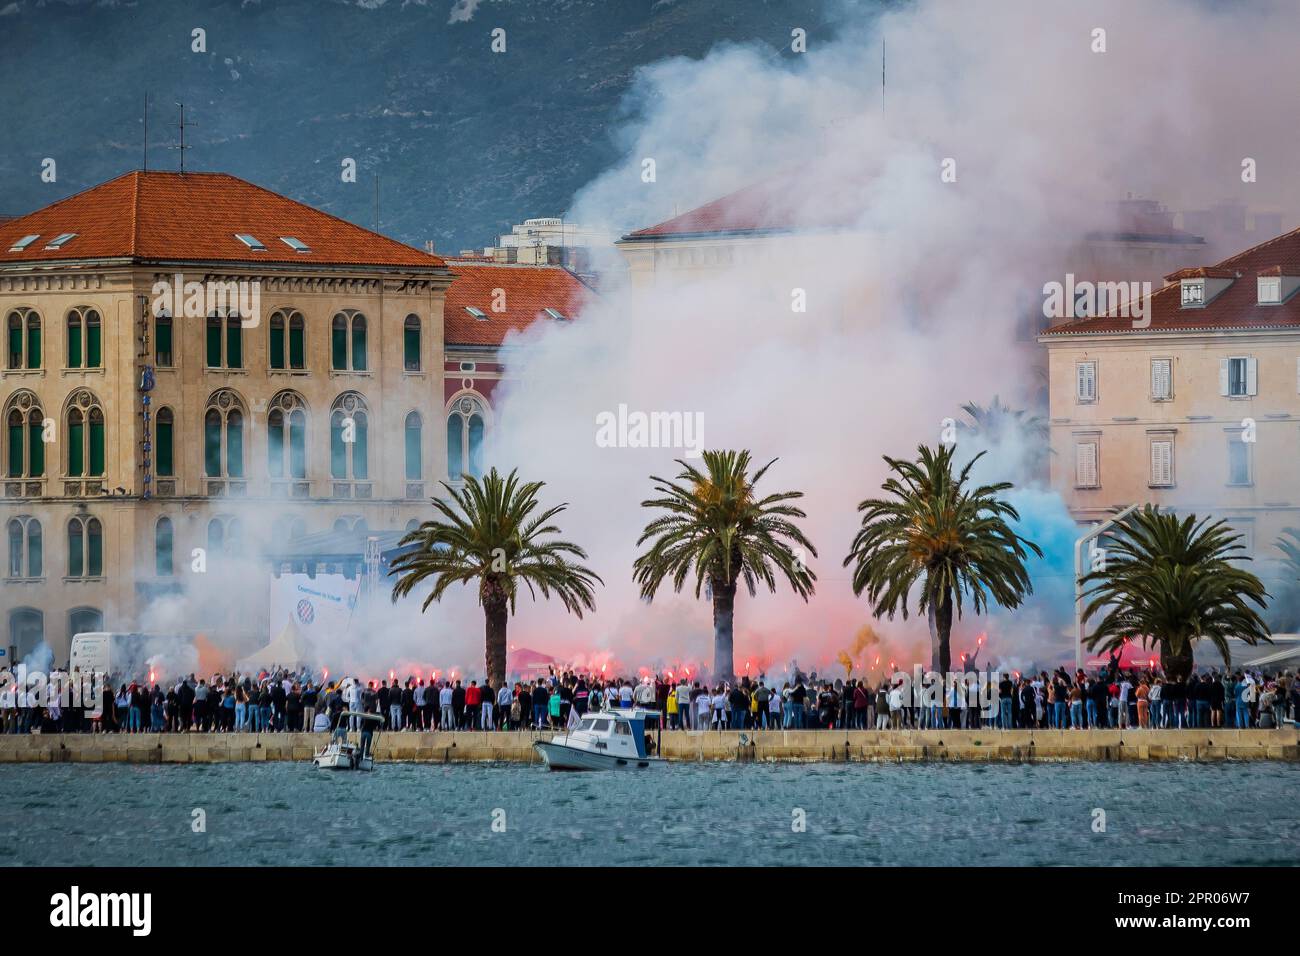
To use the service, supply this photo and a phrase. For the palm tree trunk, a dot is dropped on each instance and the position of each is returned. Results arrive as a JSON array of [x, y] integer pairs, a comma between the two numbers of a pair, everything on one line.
[[934, 639], [943, 623], [724, 605], [496, 615], [1174, 665]]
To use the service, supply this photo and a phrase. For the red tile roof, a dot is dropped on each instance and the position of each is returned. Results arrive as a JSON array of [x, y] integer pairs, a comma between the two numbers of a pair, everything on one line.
[[778, 204], [193, 217], [1236, 308], [529, 291]]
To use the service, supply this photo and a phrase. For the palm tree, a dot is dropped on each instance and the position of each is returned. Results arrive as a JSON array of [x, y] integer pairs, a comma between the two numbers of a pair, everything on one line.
[[718, 530], [950, 540], [1170, 582], [492, 537], [1289, 544], [998, 424]]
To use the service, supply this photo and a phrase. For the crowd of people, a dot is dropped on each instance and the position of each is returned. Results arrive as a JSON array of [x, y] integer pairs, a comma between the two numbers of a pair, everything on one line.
[[283, 701]]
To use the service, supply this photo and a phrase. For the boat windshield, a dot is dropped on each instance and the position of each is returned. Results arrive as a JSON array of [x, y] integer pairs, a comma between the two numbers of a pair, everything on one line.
[[586, 724]]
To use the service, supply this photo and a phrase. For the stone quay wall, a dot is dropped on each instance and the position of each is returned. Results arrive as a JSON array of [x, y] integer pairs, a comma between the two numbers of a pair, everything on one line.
[[1013, 746]]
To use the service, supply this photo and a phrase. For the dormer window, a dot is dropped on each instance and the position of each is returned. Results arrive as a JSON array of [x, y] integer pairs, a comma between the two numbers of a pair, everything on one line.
[[24, 242], [58, 241], [297, 245], [251, 241], [1193, 293], [555, 314], [1270, 290], [477, 313]]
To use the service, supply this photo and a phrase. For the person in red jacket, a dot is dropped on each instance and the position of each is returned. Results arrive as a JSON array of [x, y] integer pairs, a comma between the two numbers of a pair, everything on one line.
[[473, 704]]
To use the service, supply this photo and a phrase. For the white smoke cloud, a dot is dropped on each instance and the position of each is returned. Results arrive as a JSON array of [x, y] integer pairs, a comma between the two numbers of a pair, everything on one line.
[[916, 308]]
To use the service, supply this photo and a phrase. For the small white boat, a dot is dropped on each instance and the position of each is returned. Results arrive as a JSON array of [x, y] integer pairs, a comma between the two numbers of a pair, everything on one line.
[[342, 754], [605, 740]]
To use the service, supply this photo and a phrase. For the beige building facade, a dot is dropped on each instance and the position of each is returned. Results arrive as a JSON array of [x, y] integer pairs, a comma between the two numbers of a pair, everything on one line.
[[1199, 411], [145, 449]]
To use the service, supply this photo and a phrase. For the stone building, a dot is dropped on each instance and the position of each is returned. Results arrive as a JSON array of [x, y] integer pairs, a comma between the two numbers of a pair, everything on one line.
[[1199, 410], [290, 386]]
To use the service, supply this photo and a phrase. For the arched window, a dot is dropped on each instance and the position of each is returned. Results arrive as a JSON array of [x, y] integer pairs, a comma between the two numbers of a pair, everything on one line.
[[23, 340], [413, 524], [25, 547], [414, 458], [466, 426], [164, 540], [286, 436], [162, 340], [223, 435], [85, 338], [288, 340], [349, 430], [85, 547], [85, 435], [348, 341], [411, 343], [224, 344], [165, 443], [85, 620], [24, 448], [26, 630], [225, 536]]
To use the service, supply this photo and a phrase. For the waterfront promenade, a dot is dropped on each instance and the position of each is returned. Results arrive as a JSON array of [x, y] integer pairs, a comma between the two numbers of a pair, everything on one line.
[[999, 746]]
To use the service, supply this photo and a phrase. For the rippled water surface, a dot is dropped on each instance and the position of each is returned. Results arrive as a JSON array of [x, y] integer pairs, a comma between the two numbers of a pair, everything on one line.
[[1155, 814]]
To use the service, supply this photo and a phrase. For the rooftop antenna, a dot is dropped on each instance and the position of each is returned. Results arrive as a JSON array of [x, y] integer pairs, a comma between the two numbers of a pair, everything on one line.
[[145, 166], [882, 75], [182, 147], [376, 202]]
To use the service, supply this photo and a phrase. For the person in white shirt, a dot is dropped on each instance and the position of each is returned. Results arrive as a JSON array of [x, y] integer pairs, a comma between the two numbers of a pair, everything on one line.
[[684, 705], [625, 695], [448, 721], [702, 705]]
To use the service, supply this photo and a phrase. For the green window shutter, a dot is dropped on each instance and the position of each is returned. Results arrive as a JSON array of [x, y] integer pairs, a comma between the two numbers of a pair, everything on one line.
[[212, 445], [163, 343], [35, 553], [338, 450], [298, 446], [95, 549], [235, 446], [455, 451], [411, 349], [214, 345], [76, 550], [163, 453], [297, 347], [15, 346], [338, 348], [475, 445], [34, 346], [234, 344], [76, 450], [277, 346], [16, 450], [96, 448], [163, 549], [275, 450], [360, 453], [94, 352], [74, 344], [358, 346], [412, 451], [35, 450]]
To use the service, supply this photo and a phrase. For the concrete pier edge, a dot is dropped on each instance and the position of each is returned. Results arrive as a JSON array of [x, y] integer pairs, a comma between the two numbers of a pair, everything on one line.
[[794, 746]]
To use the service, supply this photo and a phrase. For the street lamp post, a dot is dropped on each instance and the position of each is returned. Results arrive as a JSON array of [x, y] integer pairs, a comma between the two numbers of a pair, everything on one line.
[[1092, 535]]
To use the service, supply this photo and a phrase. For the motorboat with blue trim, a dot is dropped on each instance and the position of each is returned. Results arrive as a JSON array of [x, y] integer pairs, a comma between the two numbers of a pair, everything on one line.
[[606, 740]]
